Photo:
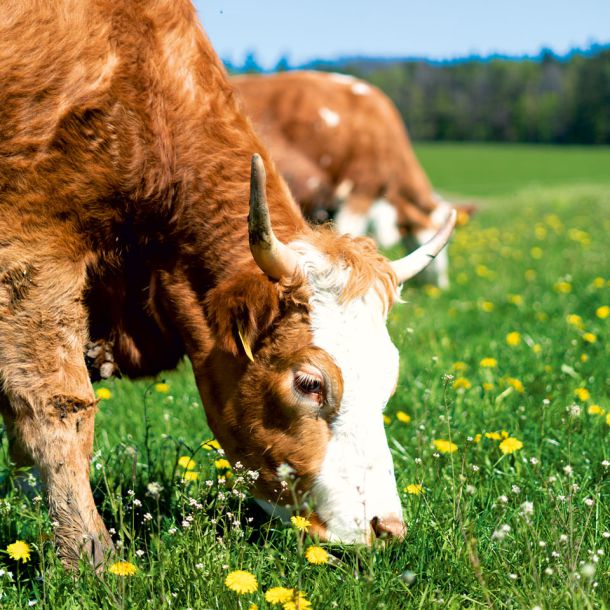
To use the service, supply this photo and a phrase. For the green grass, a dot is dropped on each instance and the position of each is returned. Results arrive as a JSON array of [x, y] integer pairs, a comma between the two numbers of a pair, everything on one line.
[[501, 169], [546, 245]]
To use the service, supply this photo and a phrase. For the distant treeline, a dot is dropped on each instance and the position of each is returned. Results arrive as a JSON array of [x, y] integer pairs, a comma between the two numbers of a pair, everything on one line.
[[549, 99]]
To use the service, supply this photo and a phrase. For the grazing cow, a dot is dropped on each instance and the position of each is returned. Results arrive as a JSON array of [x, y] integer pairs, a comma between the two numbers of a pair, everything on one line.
[[124, 184], [343, 149]]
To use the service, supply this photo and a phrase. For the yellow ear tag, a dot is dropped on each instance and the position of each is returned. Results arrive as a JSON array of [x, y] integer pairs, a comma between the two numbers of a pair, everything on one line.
[[246, 345]]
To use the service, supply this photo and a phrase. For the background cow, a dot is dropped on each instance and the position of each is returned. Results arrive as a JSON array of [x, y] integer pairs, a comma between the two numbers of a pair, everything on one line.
[[342, 146], [124, 182]]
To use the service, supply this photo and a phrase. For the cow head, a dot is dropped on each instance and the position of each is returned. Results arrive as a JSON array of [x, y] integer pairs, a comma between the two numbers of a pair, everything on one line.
[[303, 366]]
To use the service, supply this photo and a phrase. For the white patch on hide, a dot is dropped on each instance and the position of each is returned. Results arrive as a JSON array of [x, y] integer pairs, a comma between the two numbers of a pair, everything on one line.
[[384, 223], [313, 182], [345, 79], [350, 222], [331, 118], [356, 481], [361, 88]]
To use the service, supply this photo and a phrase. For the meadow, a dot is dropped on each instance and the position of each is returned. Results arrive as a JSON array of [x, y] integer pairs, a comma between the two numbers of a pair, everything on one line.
[[499, 431]]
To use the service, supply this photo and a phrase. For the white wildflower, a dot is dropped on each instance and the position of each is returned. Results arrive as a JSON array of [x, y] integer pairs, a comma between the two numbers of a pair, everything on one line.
[[154, 489], [527, 508], [588, 570], [574, 410]]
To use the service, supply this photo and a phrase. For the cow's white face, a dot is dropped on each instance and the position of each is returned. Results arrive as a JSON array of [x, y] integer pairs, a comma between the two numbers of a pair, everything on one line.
[[311, 394], [355, 485]]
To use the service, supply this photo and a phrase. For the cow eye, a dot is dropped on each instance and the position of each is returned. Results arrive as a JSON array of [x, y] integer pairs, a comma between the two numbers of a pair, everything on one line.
[[308, 382]]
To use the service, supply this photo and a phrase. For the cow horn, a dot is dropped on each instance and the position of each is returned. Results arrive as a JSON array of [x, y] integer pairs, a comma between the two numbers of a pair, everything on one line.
[[409, 266], [271, 255]]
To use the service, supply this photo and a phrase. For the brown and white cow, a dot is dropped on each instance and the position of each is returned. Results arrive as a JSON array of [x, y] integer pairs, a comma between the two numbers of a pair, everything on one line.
[[125, 169], [344, 151]]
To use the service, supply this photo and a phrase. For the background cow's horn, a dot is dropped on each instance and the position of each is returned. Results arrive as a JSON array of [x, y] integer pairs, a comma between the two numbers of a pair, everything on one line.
[[409, 266], [270, 254]]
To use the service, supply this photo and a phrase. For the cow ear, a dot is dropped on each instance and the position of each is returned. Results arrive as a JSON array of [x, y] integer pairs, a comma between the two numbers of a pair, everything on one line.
[[240, 309]]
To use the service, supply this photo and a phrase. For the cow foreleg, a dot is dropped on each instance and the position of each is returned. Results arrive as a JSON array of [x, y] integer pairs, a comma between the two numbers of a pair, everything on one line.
[[58, 435], [49, 404]]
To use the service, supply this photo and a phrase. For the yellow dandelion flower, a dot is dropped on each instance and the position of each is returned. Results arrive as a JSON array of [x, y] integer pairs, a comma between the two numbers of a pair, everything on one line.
[[222, 464], [103, 393], [299, 602], [477, 438], [190, 475], [483, 271], [186, 462], [19, 551], [461, 383], [582, 394], [403, 417], [554, 222], [252, 607], [542, 316], [599, 282], [608, 419], [210, 445], [414, 489], [489, 363], [494, 436], [540, 231], [505, 434], [548, 368], [516, 385], [241, 582], [515, 299], [595, 410], [513, 338], [537, 348], [487, 306], [386, 419], [536, 252], [463, 218], [589, 337], [432, 291], [316, 555], [510, 445], [575, 320], [563, 287], [488, 387], [162, 388], [443, 446], [123, 568], [300, 523], [278, 595], [459, 366], [579, 236], [584, 358], [602, 312]]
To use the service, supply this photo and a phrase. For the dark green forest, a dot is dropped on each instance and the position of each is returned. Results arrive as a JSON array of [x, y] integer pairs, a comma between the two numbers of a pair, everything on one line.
[[547, 99]]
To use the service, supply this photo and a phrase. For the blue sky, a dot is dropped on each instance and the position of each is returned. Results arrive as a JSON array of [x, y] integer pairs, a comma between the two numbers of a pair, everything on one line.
[[437, 29]]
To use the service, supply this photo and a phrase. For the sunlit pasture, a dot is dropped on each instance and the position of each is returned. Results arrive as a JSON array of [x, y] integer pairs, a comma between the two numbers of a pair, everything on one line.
[[499, 430]]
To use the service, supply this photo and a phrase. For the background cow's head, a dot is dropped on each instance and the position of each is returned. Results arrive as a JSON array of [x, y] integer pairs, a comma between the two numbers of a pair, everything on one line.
[[303, 366]]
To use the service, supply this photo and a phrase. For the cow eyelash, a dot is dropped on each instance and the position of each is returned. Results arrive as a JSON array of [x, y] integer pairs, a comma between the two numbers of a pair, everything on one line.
[[308, 384]]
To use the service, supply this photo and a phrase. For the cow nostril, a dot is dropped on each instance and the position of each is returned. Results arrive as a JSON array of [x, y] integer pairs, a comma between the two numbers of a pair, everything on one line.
[[390, 526]]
